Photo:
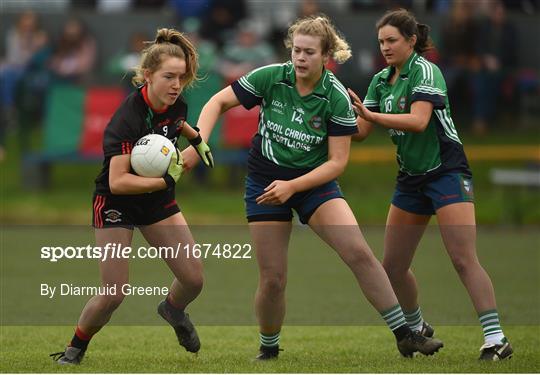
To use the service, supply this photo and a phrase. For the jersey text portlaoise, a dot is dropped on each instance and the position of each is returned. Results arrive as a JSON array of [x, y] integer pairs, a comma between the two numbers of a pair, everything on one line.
[[293, 130]]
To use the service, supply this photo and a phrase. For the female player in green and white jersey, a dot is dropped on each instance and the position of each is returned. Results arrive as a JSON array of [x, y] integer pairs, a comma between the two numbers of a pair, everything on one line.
[[409, 98], [302, 145]]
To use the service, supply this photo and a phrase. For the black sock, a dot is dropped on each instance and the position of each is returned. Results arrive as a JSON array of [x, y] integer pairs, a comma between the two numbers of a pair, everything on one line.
[[402, 332], [80, 340], [170, 304]]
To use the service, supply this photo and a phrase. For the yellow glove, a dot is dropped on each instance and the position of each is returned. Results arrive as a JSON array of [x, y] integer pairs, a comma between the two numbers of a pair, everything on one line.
[[203, 150], [175, 169]]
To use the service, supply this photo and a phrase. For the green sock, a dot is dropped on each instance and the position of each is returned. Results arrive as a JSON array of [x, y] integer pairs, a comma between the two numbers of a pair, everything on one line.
[[414, 319], [269, 340], [396, 321], [491, 326]]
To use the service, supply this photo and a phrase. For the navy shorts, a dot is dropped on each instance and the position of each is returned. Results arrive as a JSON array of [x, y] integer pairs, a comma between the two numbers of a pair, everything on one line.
[[125, 211], [446, 189], [304, 203]]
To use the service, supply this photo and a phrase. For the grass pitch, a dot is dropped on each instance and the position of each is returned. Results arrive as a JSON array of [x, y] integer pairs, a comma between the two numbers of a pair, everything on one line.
[[329, 326], [226, 349]]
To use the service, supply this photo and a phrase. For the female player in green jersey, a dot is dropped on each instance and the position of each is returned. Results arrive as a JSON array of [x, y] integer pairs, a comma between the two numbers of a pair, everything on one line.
[[409, 98], [301, 146]]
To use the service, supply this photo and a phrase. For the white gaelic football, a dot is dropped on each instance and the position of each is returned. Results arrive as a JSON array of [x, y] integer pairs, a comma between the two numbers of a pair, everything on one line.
[[151, 155]]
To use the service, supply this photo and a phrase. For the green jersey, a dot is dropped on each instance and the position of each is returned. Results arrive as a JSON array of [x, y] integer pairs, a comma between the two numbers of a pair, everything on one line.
[[438, 148], [293, 130]]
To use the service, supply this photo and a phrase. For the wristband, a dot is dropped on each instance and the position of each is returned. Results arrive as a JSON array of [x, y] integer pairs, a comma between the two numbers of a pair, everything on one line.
[[169, 181], [196, 141]]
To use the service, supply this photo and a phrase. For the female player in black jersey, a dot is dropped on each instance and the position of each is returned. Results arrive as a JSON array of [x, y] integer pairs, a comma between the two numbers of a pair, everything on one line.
[[123, 200], [301, 147], [409, 98]]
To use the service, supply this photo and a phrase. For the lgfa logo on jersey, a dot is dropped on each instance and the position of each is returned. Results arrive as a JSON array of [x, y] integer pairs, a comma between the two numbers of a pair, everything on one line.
[[401, 103], [278, 106], [165, 150]]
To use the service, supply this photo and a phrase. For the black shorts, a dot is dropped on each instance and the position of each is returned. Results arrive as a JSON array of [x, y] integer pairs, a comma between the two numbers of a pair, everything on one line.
[[128, 211]]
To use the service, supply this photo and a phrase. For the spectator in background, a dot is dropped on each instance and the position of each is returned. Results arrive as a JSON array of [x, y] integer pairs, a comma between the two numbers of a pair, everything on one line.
[[104, 6], [188, 9], [221, 20], [243, 54], [149, 4], [109, 6], [31, 89], [273, 21], [246, 52], [360, 5], [210, 83], [308, 8], [22, 42], [208, 53], [118, 5], [439, 6], [497, 44], [74, 54], [459, 55], [122, 64]]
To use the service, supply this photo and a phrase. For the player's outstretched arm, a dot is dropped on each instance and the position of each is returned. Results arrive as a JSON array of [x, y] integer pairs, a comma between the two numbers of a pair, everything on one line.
[[218, 104]]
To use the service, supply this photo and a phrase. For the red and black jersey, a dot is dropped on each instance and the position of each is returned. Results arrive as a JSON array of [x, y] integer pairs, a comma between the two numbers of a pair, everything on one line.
[[134, 119]]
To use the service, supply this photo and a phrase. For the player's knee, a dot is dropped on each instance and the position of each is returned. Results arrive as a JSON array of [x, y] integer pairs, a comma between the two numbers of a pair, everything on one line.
[[462, 264], [194, 282], [112, 302], [273, 284], [394, 270], [359, 255], [389, 268]]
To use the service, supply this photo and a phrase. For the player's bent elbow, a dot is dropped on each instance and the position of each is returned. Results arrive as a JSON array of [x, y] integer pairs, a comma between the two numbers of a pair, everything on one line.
[[115, 186], [358, 137], [420, 127], [364, 129], [339, 167]]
